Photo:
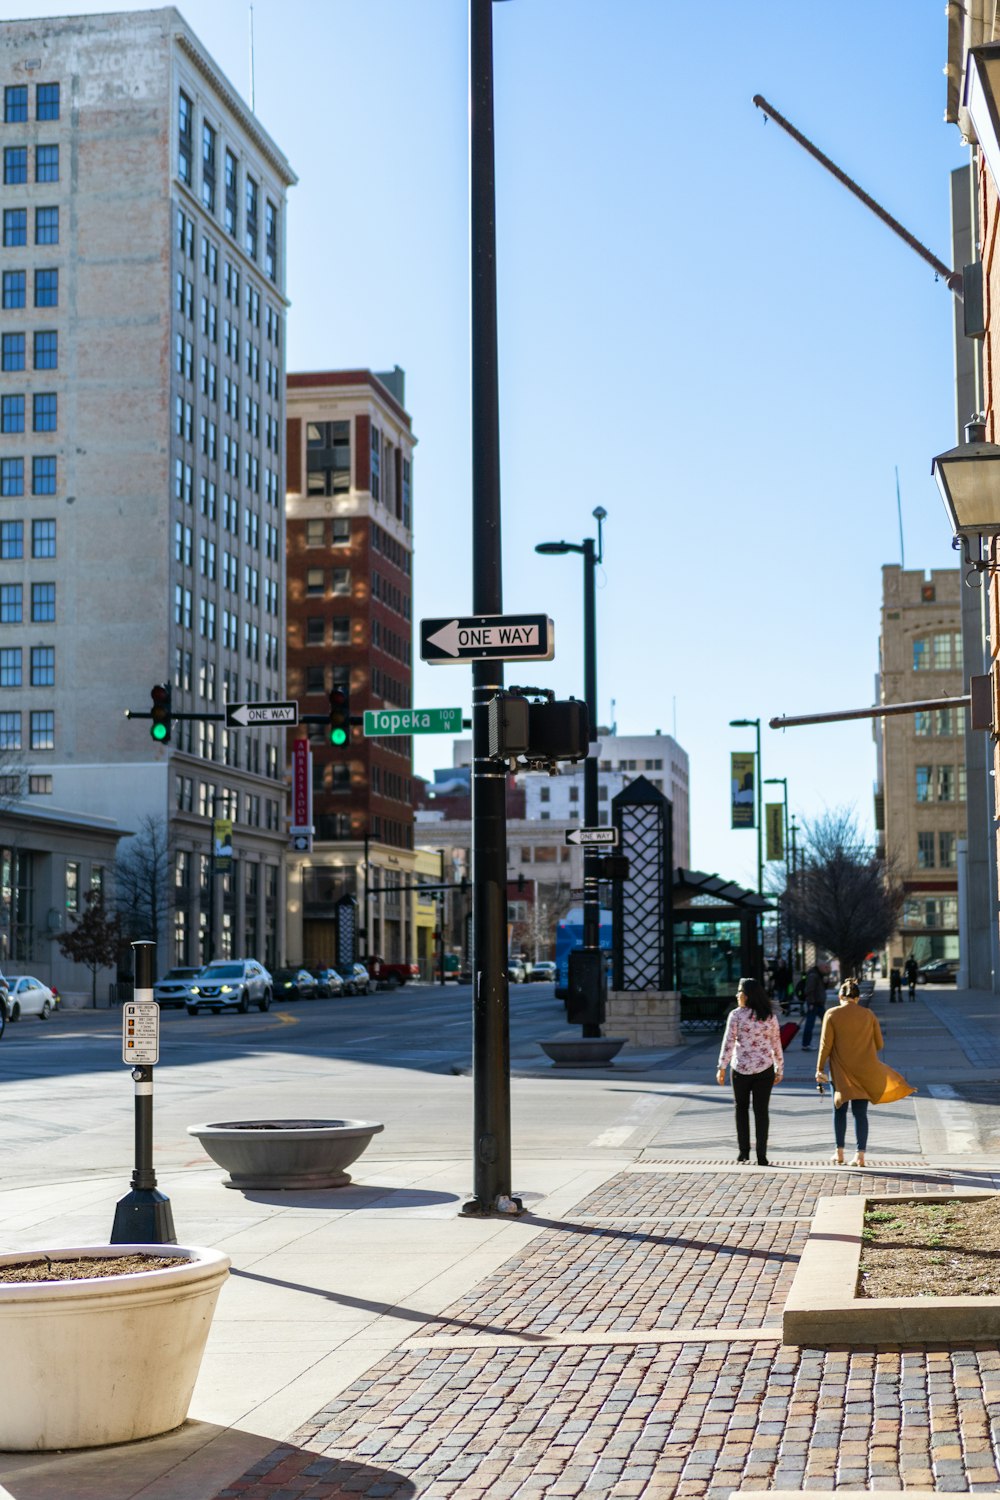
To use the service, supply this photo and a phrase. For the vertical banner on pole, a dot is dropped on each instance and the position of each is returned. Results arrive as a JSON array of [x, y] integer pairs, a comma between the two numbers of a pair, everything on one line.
[[743, 782], [774, 824], [222, 834]]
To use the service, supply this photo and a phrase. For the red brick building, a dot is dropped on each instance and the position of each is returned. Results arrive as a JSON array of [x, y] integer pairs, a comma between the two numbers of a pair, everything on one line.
[[349, 624]]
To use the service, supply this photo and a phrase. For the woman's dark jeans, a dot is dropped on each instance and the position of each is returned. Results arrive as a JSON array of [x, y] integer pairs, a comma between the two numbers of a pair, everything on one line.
[[859, 1109], [756, 1087]]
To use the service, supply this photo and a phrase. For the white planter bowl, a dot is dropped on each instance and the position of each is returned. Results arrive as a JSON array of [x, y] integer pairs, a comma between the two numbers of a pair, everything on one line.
[[108, 1359]]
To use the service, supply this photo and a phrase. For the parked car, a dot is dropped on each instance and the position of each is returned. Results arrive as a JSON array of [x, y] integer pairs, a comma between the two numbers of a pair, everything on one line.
[[544, 971], [357, 980], [27, 996], [294, 984], [389, 976], [329, 982], [941, 971], [516, 972], [230, 982], [174, 987]]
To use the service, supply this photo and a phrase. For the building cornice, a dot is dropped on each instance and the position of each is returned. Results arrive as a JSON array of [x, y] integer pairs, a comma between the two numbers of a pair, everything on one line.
[[248, 123]]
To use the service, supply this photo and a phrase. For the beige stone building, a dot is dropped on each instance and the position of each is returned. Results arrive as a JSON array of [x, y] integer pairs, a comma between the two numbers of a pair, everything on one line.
[[921, 785], [141, 451]]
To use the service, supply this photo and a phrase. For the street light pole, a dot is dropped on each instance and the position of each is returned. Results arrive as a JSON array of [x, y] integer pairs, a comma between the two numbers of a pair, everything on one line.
[[592, 553], [491, 1006]]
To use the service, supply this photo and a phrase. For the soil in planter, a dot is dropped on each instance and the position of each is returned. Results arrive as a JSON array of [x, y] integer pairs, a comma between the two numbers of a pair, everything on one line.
[[939, 1249], [274, 1124], [87, 1268]]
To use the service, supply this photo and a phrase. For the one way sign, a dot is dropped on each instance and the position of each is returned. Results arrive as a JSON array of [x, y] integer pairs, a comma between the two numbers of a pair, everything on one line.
[[486, 638], [608, 837]]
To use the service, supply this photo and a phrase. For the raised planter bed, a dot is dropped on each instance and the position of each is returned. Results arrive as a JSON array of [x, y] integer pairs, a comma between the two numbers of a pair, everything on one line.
[[108, 1359], [823, 1306], [286, 1154]]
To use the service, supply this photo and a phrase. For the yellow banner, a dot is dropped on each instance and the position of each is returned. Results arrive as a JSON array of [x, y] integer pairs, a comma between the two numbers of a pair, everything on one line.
[[222, 834], [774, 825], [743, 781]]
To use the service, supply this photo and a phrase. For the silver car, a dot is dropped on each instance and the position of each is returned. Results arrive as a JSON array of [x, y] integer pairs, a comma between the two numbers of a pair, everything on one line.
[[230, 983], [174, 987]]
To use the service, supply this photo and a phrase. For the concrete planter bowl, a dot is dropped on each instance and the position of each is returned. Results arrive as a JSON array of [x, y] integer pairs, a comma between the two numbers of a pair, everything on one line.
[[286, 1154], [107, 1360], [583, 1052]]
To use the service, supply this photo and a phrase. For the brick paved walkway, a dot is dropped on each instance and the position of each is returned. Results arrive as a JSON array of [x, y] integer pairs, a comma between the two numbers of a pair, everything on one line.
[[552, 1414]]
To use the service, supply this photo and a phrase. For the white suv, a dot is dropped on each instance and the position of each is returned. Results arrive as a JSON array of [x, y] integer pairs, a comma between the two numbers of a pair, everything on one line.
[[230, 982]]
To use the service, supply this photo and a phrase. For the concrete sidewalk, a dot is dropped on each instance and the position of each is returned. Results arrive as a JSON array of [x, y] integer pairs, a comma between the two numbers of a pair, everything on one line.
[[622, 1339]]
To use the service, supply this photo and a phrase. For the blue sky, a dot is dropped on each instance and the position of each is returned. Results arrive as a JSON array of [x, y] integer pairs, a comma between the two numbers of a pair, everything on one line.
[[699, 330]]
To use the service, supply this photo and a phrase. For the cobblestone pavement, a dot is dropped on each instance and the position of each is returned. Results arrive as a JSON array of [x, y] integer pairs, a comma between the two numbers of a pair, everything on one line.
[[570, 1412]]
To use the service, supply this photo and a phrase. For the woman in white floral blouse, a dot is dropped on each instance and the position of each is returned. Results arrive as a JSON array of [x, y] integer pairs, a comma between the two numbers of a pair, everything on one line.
[[753, 1046]]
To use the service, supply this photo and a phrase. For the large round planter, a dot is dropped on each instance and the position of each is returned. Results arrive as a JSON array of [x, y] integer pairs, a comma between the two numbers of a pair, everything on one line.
[[584, 1052], [286, 1154], [107, 1360]]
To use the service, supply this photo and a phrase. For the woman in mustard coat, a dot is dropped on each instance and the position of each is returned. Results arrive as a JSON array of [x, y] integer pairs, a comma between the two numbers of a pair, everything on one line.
[[851, 1040]]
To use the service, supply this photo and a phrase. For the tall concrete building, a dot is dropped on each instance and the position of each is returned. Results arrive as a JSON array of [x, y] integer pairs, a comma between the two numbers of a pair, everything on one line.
[[141, 450], [350, 588], [921, 786]]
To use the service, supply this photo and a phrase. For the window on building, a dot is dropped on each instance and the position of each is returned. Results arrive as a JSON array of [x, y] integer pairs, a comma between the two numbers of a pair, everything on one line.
[[376, 463], [46, 288], [43, 666], [44, 412], [407, 492], [40, 786], [11, 413], [11, 539], [315, 581], [46, 226], [43, 729], [46, 163], [43, 538], [315, 679], [15, 104], [185, 136], [921, 656], [251, 236], [14, 289], [208, 166], [945, 784], [961, 783], [271, 240], [47, 350], [922, 723], [340, 581], [10, 731], [341, 630], [925, 851], [316, 533], [46, 101], [43, 601], [11, 476], [12, 355], [328, 457], [231, 186], [15, 165], [947, 851], [10, 666], [15, 227], [72, 886]]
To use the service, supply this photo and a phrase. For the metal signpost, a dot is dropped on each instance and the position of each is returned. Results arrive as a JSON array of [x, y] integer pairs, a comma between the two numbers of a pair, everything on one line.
[[240, 715], [487, 638], [608, 837], [380, 721], [143, 1216]]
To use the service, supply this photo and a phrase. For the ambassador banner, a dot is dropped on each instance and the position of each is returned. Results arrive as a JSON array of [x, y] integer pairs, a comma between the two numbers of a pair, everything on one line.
[[743, 780], [222, 833], [774, 824]]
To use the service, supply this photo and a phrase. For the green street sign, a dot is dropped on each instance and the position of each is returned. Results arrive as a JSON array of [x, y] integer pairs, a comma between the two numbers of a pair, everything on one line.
[[380, 721]]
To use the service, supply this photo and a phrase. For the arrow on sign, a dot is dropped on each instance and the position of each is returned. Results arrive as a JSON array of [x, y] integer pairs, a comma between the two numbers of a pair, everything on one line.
[[607, 836]]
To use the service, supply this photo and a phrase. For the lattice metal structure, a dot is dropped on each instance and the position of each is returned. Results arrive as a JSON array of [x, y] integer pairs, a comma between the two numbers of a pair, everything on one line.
[[347, 932], [642, 950]]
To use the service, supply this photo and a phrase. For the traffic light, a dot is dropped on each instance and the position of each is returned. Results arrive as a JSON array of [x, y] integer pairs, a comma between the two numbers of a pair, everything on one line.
[[339, 731], [160, 712]]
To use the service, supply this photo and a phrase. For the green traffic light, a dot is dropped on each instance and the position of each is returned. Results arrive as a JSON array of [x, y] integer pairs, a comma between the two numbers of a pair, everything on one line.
[[159, 731], [338, 736]]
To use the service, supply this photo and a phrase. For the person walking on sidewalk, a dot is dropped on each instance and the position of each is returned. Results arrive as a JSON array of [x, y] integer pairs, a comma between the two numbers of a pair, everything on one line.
[[912, 970], [814, 1004], [851, 1041], [753, 1048]]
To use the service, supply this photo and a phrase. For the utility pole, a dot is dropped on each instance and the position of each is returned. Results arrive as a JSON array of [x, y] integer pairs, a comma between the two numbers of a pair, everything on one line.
[[492, 1192]]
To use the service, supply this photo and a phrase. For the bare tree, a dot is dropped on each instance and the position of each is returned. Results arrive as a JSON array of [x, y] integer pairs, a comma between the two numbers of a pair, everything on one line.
[[536, 934], [846, 898], [142, 881], [94, 940]]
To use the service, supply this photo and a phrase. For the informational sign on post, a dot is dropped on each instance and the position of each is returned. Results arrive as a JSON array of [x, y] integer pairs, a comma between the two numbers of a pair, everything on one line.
[[141, 1032]]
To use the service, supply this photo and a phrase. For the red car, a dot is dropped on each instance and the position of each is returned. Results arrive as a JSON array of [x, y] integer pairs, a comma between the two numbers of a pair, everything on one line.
[[390, 976]]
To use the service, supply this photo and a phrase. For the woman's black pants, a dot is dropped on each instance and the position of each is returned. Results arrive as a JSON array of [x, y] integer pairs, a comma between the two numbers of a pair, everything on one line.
[[756, 1087]]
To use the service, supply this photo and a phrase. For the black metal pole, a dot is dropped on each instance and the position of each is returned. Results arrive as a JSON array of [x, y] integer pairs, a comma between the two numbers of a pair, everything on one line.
[[144, 1216], [440, 900], [591, 892], [491, 1018]]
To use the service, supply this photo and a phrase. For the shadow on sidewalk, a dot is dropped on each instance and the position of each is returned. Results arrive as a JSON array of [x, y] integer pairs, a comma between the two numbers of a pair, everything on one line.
[[409, 1314], [603, 1232]]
